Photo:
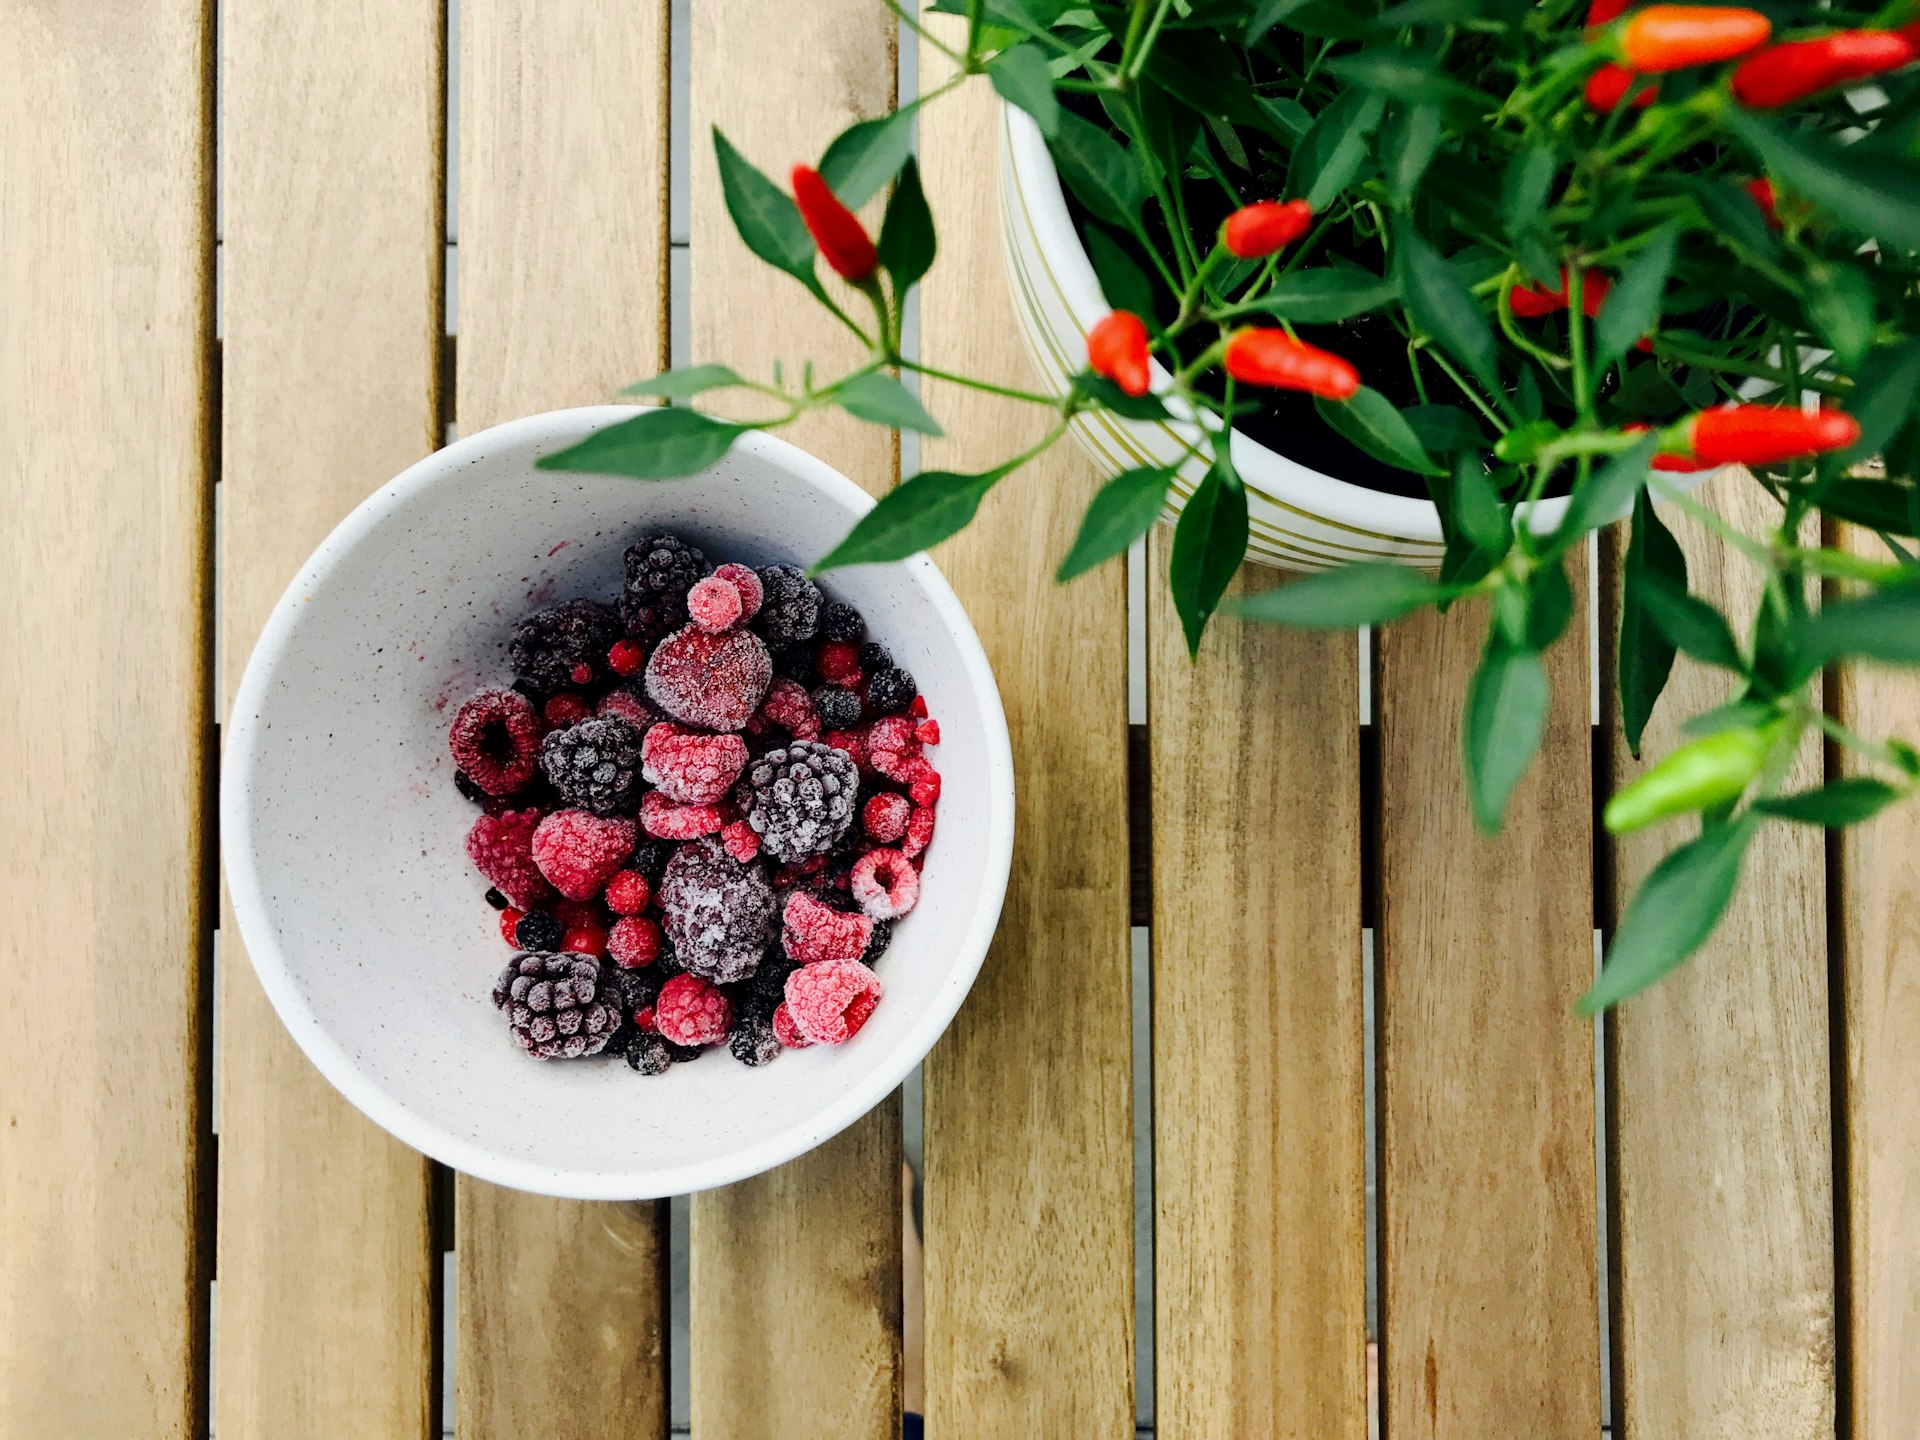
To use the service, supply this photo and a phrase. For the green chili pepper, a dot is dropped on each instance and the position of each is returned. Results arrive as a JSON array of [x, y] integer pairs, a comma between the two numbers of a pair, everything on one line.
[[1710, 771]]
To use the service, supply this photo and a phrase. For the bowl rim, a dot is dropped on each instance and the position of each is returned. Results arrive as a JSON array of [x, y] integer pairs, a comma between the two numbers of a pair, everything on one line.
[[242, 752]]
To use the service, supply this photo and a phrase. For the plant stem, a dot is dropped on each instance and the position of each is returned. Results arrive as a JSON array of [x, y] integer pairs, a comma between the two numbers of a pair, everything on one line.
[[948, 377], [925, 34]]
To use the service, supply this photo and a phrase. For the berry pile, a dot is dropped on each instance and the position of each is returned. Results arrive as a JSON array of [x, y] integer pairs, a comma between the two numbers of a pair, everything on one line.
[[704, 808]]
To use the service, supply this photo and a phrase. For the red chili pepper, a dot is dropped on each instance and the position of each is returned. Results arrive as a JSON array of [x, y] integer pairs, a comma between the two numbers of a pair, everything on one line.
[[835, 229], [1605, 12], [1257, 230], [1609, 85], [1117, 349], [1276, 360], [1763, 196], [1530, 302], [1767, 434], [1684, 464], [1672, 37], [1782, 74]]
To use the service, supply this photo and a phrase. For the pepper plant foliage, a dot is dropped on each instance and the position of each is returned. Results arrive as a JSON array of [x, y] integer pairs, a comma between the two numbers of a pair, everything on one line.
[[1599, 239]]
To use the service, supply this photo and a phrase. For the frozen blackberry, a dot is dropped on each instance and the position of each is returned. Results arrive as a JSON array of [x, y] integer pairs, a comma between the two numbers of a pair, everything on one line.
[[548, 646], [496, 899], [890, 690], [877, 943], [595, 765], [539, 930], [796, 663], [874, 656], [719, 914], [650, 857], [631, 990], [463, 782], [554, 1005], [840, 621], [837, 706], [648, 1054], [680, 1054], [790, 611], [752, 1040], [660, 570], [800, 799]]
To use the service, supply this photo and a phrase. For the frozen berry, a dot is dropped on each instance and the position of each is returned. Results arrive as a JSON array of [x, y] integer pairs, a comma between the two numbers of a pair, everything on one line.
[[713, 681], [554, 1005], [692, 1011], [595, 765], [501, 848], [790, 605], [924, 787], [739, 841], [660, 569], [800, 800], [795, 662], [586, 940], [496, 899], [884, 884], [625, 657], [875, 656], [785, 1031], [919, 832], [837, 707], [747, 582], [548, 644], [877, 944], [578, 852], [753, 1041], [829, 1001], [510, 919], [713, 604], [665, 820], [788, 705], [628, 893], [495, 741], [650, 858], [812, 931], [565, 709], [632, 990], [577, 912], [927, 732], [890, 690], [840, 621], [718, 913], [539, 930], [464, 784], [689, 768], [625, 703], [634, 942], [891, 748], [649, 1055], [851, 743], [918, 710], [838, 663], [884, 817]]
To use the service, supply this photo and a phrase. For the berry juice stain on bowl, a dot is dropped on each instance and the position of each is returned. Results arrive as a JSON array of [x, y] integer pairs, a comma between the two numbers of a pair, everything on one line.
[[696, 791]]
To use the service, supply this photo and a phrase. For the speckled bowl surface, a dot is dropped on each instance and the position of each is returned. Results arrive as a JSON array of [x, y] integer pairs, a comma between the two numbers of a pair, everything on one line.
[[343, 833]]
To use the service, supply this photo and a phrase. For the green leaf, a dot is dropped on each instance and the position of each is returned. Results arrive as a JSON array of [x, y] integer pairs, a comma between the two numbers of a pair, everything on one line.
[[685, 382], [1506, 715], [1837, 803], [1369, 420], [1883, 505], [1695, 627], [1400, 74], [653, 445], [764, 214], [1443, 306], [1123, 284], [1549, 605], [1477, 512], [1208, 545], [1633, 307], [914, 515], [1609, 493], [1883, 402], [1840, 305], [1868, 191], [1332, 151], [1734, 715], [906, 245], [1407, 147], [1733, 213], [1022, 78], [1443, 429], [867, 154], [1121, 512], [1325, 295], [1672, 914], [1882, 626], [1111, 397], [1645, 654], [1266, 15], [1524, 188], [1371, 593], [885, 401], [1099, 170]]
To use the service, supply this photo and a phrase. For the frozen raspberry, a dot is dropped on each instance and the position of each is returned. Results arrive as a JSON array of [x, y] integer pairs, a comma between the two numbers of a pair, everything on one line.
[[539, 930], [811, 931], [579, 852], [625, 657], [890, 691], [753, 1041], [634, 942], [692, 769], [927, 732], [925, 785], [692, 1011], [548, 645], [884, 884], [739, 841], [712, 681], [837, 707], [713, 604], [624, 703], [495, 741], [747, 583], [501, 848], [595, 765], [838, 663], [918, 710], [785, 1031], [664, 820], [510, 919], [660, 569], [919, 832], [800, 800], [554, 1005], [565, 709], [718, 913], [790, 606], [891, 748], [852, 742], [840, 621], [790, 707], [628, 893], [884, 817], [829, 1001], [585, 940]]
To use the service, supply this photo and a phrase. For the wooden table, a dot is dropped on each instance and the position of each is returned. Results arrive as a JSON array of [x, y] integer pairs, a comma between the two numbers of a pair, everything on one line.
[[1760, 1167]]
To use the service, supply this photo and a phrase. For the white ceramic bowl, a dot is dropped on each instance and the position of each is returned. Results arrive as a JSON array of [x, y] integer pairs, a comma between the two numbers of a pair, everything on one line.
[[344, 835]]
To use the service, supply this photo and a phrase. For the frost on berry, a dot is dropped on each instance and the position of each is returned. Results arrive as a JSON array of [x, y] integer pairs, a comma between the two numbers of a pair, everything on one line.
[[554, 1004], [788, 706], [884, 817], [665, 820], [691, 1011], [718, 913], [501, 848], [692, 769], [800, 799], [713, 681], [550, 644], [629, 705], [829, 1001], [884, 884], [811, 931], [495, 741], [919, 832], [634, 942], [747, 583], [785, 1031], [789, 607], [713, 604], [579, 852]]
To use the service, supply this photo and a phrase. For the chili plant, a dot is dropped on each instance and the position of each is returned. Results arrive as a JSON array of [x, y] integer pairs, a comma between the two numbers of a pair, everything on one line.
[[1606, 245]]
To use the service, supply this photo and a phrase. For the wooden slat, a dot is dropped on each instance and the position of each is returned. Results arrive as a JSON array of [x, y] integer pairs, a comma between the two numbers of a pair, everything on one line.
[[1721, 1103], [105, 407], [332, 308], [1028, 1097], [562, 299], [1259, 1102], [1487, 1188], [796, 1273], [1878, 894]]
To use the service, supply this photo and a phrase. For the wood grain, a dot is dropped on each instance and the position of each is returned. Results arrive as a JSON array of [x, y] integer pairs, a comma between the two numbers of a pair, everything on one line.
[[106, 331], [795, 1273], [1487, 1183], [1877, 873], [1259, 1104], [563, 253], [1029, 1096], [1721, 1104], [332, 309]]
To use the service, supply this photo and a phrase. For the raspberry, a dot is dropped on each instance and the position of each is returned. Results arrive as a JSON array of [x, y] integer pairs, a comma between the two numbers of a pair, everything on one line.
[[885, 817], [828, 1002], [790, 707], [495, 741], [692, 769], [585, 940], [510, 919], [624, 657], [840, 621], [800, 800], [852, 742], [539, 930], [875, 656], [660, 569], [919, 709], [709, 680], [565, 709], [925, 788], [748, 585], [624, 703], [928, 731], [555, 1007], [713, 604], [549, 644], [718, 913], [891, 748], [691, 1011], [837, 707], [595, 765], [890, 691], [501, 848], [579, 852], [739, 841], [628, 893], [884, 884], [753, 1041], [667, 821], [634, 942], [811, 931], [785, 1031], [789, 607], [838, 663], [919, 832]]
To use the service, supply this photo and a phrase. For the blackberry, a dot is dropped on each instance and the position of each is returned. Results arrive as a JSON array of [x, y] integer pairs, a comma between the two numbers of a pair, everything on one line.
[[837, 706], [767, 986], [796, 663], [631, 990], [647, 1054], [800, 799], [790, 610], [496, 899], [650, 858], [680, 1054], [874, 656], [752, 1040], [840, 621], [463, 782], [621, 1039], [877, 943], [660, 570], [554, 1005], [548, 644], [539, 930], [889, 691], [595, 765], [719, 914]]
